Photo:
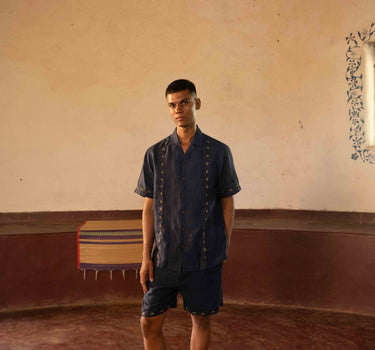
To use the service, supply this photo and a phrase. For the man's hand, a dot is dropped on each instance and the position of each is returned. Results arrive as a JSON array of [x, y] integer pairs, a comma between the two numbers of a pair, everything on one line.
[[146, 273], [228, 246]]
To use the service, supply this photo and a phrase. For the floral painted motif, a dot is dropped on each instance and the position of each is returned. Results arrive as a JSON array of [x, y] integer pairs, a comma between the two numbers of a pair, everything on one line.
[[354, 77]]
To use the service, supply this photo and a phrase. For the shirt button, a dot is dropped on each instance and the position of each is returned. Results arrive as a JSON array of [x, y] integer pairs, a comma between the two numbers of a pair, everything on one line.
[[183, 194], [183, 212], [183, 179], [183, 228]]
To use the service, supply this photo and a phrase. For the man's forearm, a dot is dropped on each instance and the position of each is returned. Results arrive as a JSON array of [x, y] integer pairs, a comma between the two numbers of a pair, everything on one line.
[[147, 271], [148, 227], [227, 206]]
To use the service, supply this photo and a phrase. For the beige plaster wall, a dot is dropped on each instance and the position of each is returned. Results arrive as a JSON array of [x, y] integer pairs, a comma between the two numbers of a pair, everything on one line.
[[81, 98]]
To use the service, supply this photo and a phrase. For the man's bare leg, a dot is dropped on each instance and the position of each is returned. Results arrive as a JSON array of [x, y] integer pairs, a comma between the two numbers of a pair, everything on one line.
[[201, 332], [152, 330]]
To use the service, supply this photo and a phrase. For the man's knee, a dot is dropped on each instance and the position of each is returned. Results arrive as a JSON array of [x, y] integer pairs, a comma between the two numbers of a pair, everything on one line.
[[202, 322], [152, 325]]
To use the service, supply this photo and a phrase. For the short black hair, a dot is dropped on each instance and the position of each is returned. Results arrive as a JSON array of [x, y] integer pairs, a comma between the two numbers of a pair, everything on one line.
[[180, 85]]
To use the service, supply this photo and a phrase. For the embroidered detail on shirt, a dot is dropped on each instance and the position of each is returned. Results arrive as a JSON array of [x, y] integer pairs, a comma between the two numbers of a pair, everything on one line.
[[141, 189], [161, 188], [206, 210]]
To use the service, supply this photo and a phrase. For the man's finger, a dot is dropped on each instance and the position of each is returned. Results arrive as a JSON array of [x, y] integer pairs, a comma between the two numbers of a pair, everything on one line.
[[144, 285], [143, 280], [151, 273]]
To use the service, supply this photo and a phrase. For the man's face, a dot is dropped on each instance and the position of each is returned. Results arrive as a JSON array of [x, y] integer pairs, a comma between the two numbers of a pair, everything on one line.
[[182, 107]]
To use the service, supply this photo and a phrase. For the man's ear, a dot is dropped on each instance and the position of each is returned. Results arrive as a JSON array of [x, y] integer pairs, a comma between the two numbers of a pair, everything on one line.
[[197, 103]]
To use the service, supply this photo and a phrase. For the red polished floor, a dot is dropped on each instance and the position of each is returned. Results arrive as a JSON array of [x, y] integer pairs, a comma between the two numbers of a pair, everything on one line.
[[237, 326]]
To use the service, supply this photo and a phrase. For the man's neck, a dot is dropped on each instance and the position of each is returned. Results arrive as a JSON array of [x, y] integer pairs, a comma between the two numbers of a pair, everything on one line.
[[186, 135]]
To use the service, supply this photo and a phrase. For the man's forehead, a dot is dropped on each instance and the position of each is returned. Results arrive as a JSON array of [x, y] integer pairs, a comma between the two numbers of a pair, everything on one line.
[[179, 96]]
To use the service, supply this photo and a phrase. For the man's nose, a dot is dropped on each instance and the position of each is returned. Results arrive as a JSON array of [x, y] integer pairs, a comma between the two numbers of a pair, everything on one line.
[[178, 108]]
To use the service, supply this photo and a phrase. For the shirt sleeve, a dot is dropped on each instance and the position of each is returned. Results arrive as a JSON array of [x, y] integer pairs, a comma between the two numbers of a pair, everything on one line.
[[145, 186], [228, 181]]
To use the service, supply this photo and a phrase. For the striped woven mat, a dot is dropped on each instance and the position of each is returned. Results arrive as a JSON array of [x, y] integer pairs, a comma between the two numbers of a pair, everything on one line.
[[109, 245]]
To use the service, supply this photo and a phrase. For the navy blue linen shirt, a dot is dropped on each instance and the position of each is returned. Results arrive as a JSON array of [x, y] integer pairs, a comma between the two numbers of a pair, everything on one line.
[[187, 189]]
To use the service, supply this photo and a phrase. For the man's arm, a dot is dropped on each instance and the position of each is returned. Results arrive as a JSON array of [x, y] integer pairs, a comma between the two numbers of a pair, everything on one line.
[[147, 269], [227, 206]]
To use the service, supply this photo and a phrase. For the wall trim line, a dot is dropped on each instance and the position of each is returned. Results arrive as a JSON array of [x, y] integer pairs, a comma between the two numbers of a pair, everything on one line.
[[69, 216]]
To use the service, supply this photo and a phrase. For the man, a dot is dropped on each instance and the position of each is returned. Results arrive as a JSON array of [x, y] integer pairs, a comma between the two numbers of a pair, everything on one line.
[[188, 181]]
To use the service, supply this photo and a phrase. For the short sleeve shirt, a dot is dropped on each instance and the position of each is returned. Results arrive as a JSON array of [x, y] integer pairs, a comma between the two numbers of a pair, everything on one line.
[[187, 189]]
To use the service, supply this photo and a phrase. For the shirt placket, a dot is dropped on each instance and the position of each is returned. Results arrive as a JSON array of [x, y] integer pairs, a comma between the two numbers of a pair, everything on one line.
[[161, 193], [183, 200], [207, 148]]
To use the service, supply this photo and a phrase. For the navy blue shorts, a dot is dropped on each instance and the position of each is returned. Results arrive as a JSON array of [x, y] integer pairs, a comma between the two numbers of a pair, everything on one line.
[[201, 291]]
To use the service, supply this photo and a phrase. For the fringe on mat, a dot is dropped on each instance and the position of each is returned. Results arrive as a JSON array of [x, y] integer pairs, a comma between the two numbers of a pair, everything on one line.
[[110, 274]]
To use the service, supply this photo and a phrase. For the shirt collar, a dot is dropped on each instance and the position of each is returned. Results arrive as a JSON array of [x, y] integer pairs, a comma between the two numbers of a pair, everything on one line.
[[197, 140]]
